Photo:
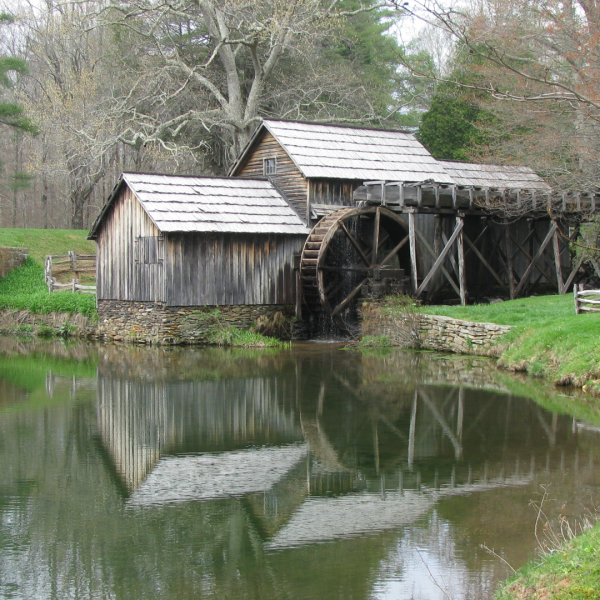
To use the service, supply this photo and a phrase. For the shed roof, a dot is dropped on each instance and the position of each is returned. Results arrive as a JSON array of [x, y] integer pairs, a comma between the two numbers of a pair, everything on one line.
[[338, 152], [210, 204], [495, 176], [209, 476]]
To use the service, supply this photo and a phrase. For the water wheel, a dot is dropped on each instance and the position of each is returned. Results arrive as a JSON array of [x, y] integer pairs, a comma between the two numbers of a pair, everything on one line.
[[345, 251]]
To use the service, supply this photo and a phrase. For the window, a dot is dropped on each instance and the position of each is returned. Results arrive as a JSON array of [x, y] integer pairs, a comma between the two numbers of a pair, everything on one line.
[[148, 250], [270, 166]]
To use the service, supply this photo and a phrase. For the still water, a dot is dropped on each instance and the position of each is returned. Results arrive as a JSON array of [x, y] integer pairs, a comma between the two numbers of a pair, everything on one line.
[[308, 473]]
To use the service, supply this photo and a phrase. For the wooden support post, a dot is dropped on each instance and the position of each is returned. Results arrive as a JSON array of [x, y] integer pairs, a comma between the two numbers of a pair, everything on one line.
[[462, 273], [461, 413], [434, 255], [509, 263], [576, 299], [537, 256], [298, 295], [376, 229], [413, 251], [441, 257], [411, 431], [452, 259], [559, 275], [437, 241]]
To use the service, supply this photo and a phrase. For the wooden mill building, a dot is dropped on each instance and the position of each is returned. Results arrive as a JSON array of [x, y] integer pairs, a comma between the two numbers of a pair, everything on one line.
[[312, 217]]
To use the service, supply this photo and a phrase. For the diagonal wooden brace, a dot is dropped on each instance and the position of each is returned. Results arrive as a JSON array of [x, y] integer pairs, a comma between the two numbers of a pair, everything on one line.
[[441, 257], [534, 260]]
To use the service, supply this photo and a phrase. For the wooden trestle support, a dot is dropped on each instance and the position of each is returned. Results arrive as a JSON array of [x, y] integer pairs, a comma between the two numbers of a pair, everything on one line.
[[507, 258]]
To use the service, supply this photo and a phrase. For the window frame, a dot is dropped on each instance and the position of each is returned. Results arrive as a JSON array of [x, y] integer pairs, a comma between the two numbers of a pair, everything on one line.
[[270, 166]]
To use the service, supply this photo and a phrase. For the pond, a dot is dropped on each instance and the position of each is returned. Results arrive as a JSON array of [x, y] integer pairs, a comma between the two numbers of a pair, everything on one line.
[[313, 472]]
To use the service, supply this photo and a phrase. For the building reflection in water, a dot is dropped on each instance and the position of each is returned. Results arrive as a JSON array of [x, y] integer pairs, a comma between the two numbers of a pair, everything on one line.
[[321, 448]]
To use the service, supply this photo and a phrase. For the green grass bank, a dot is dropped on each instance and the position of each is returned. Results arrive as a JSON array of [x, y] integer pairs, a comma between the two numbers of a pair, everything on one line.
[[548, 338], [571, 572], [24, 289]]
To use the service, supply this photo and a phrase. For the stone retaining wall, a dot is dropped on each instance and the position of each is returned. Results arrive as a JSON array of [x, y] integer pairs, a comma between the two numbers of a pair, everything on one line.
[[430, 332], [464, 337], [156, 323], [11, 258]]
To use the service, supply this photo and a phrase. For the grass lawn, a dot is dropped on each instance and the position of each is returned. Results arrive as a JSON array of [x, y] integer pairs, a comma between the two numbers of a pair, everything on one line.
[[24, 288], [548, 339], [47, 241]]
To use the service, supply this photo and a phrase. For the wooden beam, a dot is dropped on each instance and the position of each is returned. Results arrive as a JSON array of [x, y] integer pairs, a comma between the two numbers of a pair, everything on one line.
[[349, 297], [483, 231], [534, 260], [376, 227], [462, 272], [441, 257], [395, 251], [413, 252], [434, 256], [557, 263], [354, 243], [529, 257], [452, 259], [572, 275], [485, 262], [509, 264]]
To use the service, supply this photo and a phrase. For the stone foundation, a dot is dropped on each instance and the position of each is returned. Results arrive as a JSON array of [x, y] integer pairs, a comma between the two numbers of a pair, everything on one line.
[[430, 332], [11, 258], [156, 323]]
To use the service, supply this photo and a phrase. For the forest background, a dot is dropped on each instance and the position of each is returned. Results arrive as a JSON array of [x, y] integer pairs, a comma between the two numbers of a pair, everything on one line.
[[89, 89]]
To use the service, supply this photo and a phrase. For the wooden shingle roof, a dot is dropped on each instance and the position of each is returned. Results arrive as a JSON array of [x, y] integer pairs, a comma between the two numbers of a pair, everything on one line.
[[336, 152], [495, 176], [210, 204]]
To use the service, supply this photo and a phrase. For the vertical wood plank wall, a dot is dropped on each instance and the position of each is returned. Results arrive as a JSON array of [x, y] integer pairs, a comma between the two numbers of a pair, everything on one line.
[[119, 276], [230, 269], [333, 191], [288, 177]]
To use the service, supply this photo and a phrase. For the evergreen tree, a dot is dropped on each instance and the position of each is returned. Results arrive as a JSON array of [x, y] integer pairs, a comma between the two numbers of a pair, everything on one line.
[[11, 114]]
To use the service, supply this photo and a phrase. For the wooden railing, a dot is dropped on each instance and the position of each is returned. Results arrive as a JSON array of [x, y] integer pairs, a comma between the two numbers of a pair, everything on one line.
[[77, 264], [586, 300]]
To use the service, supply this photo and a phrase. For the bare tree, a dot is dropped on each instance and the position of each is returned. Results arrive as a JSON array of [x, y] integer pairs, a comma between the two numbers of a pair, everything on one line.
[[538, 63], [238, 60]]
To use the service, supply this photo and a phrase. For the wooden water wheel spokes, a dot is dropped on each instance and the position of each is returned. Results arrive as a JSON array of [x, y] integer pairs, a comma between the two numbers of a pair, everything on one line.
[[345, 250]]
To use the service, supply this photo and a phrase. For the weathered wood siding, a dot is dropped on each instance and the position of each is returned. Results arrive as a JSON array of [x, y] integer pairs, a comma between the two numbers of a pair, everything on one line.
[[332, 191], [228, 269], [288, 177], [121, 275]]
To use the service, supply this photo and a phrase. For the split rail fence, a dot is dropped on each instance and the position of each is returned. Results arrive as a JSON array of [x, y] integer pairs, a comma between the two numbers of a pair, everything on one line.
[[77, 264], [586, 300]]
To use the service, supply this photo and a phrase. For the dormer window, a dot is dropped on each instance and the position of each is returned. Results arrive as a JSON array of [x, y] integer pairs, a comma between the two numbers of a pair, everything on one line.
[[270, 166]]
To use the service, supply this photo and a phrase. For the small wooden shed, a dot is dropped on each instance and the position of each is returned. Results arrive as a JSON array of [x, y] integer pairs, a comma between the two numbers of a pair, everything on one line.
[[196, 241]]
